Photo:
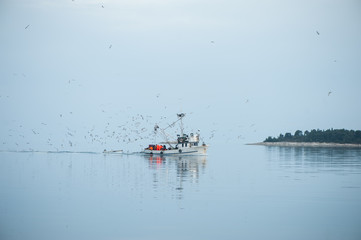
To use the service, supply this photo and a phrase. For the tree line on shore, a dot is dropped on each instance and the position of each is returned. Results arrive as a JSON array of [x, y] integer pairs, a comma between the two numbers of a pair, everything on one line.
[[327, 136]]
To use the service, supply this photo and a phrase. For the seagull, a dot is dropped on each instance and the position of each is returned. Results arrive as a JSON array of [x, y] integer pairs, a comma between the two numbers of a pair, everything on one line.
[[212, 41], [110, 46], [329, 93], [102, 6], [27, 26], [317, 33]]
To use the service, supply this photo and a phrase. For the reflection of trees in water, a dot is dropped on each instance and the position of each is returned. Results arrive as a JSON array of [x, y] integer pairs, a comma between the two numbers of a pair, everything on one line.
[[175, 171], [344, 159]]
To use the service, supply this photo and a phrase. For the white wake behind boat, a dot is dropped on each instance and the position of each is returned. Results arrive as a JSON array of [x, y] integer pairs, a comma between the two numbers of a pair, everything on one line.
[[113, 151], [184, 145]]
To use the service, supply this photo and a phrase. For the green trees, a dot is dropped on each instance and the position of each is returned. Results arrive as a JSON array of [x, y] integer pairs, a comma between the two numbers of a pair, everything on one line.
[[298, 133], [329, 136]]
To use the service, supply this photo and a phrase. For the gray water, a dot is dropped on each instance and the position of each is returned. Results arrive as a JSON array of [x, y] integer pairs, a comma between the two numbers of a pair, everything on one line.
[[251, 192]]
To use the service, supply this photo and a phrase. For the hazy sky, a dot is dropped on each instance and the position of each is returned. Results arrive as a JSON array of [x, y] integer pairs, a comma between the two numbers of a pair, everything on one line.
[[241, 70]]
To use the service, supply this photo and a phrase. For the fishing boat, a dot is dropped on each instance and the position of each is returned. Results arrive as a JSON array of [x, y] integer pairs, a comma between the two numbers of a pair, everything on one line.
[[184, 145]]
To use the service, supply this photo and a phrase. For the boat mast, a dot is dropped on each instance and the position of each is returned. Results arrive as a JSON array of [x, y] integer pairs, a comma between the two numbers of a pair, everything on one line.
[[180, 116]]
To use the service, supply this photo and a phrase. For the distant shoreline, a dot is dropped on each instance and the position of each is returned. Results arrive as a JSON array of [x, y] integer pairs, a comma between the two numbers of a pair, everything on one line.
[[306, 144]]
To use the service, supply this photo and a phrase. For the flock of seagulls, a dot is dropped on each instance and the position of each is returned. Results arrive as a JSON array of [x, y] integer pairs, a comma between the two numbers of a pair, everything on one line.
[[137, 130], [134, 129]]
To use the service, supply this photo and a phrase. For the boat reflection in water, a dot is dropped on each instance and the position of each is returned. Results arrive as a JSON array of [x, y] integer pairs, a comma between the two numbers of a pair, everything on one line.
[[176, 171]]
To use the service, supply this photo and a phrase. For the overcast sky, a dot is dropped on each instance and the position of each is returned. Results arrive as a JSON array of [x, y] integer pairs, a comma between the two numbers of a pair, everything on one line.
[[241, 70]]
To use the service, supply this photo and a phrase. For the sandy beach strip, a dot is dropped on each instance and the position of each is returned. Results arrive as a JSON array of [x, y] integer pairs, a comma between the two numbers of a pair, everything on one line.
[[306, 144]]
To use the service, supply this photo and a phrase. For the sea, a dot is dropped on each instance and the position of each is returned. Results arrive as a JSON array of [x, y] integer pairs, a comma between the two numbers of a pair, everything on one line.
[[235, 192]]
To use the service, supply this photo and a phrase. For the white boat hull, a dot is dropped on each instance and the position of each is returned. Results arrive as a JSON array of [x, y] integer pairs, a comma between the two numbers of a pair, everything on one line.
[[194, 150]]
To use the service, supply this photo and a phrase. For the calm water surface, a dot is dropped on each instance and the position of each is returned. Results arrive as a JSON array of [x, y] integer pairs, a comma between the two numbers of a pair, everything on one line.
[[252, 192]]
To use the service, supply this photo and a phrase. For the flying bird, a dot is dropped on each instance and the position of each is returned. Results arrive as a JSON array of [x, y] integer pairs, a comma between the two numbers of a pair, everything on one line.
[[102, 6], [317, 33], [27, 26], [110, 46], [329, 93]]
